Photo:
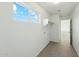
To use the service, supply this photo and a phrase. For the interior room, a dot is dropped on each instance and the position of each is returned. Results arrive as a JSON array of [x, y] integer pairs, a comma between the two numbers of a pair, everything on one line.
[[39, 29]]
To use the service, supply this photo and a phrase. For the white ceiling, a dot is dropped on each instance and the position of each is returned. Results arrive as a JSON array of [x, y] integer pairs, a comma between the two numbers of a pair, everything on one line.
[[64, 9]]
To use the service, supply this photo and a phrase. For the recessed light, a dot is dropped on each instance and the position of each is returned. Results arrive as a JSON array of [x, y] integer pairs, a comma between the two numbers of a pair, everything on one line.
[[56, 2]]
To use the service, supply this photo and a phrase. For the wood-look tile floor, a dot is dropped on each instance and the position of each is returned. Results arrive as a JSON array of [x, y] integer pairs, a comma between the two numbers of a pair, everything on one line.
[[62, 49]]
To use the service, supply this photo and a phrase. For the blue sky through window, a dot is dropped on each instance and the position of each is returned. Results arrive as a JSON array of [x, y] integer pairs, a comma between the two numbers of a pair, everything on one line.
[[22, 13], [19, 12]]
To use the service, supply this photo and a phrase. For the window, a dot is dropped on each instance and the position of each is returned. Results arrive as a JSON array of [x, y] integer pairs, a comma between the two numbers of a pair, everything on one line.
[[24, 13], [34, 16]]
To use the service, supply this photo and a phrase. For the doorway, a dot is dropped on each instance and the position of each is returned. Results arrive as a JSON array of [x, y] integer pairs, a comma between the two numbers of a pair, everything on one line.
[[65, 31], [71, 31]]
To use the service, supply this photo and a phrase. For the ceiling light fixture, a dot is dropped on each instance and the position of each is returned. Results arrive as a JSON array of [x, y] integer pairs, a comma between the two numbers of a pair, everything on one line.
[[56, 2]]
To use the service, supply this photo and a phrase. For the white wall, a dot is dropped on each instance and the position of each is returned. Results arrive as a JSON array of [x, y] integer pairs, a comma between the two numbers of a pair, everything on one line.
[[75, 29], [20, 38], [55, 28], [65, 25]]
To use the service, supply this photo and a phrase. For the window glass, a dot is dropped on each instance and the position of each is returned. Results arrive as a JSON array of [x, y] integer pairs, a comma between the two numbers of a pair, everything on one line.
[[24, 14]]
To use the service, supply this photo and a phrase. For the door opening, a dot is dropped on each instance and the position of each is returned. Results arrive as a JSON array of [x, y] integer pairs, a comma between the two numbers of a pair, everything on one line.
[[65, 31], [71, 31]]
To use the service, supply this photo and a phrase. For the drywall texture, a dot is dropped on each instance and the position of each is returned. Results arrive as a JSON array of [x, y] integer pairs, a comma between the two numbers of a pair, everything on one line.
[[20, 38], [75, 29], [55, 28]]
